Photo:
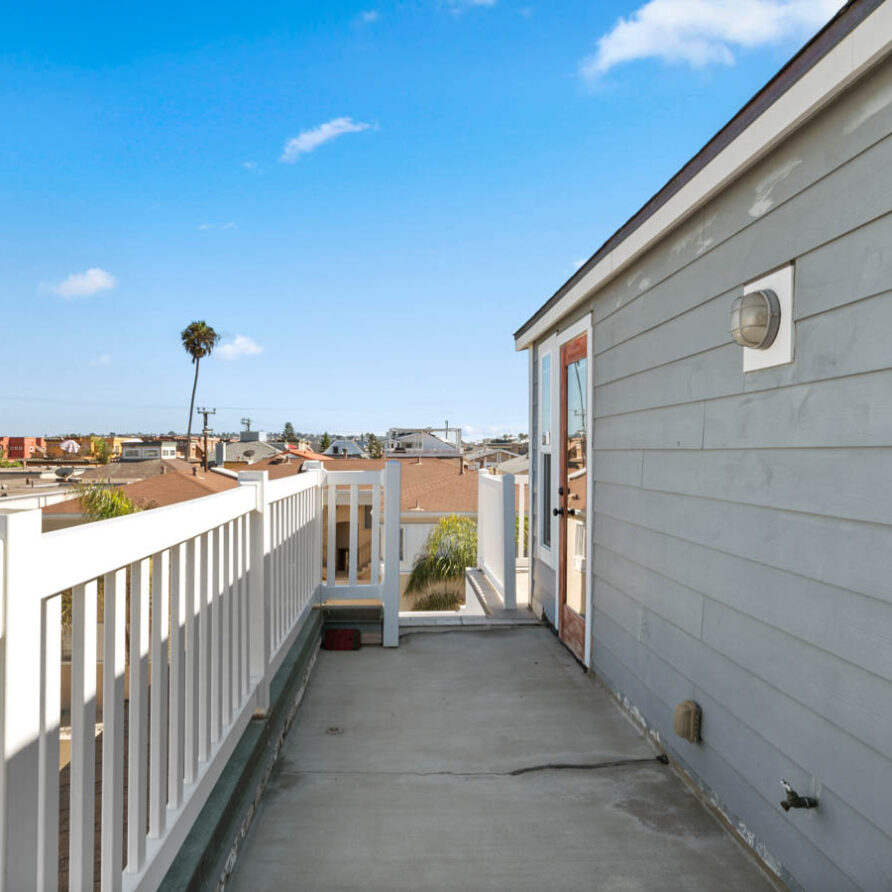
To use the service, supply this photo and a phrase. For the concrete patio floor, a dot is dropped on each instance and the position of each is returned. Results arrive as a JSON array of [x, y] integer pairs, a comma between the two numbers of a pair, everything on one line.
[[397, 774]]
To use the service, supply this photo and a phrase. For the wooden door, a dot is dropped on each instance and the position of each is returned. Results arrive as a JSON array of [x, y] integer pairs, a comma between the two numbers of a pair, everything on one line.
[[572, 494]]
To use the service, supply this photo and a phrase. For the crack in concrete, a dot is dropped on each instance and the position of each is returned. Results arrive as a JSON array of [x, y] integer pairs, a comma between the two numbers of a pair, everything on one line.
[[517, 772]]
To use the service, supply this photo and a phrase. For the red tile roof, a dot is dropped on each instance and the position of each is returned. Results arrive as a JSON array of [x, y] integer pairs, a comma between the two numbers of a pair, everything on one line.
[[432, 485]]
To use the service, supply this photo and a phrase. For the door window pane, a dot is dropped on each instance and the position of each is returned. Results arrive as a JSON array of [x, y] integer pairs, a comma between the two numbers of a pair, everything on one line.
[[546, 500], [576, 450], [545, 400]]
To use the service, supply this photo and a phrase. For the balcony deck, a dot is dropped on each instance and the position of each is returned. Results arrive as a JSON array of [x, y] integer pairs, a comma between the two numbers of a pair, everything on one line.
[[433, 767]]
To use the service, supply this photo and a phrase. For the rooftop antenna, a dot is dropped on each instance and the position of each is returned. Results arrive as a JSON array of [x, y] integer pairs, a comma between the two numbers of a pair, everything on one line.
[[247, 423]]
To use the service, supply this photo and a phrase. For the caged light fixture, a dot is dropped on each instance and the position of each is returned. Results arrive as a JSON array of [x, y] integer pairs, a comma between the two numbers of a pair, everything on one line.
[[755, 319]]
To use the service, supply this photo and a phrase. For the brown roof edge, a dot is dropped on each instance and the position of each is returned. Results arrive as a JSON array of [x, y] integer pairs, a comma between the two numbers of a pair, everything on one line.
[[839, 27]]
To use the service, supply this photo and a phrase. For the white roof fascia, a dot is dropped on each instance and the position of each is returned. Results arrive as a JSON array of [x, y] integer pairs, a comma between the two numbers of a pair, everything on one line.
[[845, 63]]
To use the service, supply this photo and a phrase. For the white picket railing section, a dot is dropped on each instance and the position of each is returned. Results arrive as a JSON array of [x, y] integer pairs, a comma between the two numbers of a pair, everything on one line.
[[201, 602], [496, 551]]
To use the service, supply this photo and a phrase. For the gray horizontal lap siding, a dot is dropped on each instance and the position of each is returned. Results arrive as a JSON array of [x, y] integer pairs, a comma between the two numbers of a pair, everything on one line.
[[742, 524]]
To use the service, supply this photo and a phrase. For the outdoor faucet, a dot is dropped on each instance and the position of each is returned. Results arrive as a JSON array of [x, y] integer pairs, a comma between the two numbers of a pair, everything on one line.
[[794, 800]]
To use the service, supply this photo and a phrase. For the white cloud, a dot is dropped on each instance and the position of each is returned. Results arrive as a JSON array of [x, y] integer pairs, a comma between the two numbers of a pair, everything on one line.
[[207, 227], [249, 165], [239, 347], [85, 284], [704, 32], [370, 16], [308, 140], [459, 6], [105, 359]]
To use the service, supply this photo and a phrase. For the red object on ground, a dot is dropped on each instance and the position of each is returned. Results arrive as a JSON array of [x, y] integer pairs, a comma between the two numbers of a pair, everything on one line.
[[341, 639]]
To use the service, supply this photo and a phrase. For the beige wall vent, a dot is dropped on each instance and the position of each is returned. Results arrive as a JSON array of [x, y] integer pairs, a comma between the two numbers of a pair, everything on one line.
[[687, 721]]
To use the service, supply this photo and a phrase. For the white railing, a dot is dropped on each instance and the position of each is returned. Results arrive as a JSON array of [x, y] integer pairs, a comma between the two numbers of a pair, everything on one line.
[[29, 501], [199, 603], [496, 555]]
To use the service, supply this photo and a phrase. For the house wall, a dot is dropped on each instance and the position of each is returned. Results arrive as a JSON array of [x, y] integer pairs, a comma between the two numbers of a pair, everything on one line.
[[20, 448], [742, 523]]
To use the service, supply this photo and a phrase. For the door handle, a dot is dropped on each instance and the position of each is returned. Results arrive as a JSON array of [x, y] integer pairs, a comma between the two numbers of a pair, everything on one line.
[[557, 512]]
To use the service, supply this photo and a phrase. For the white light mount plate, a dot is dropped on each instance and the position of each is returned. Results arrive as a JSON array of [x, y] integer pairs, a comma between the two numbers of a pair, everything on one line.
[[781, 351]]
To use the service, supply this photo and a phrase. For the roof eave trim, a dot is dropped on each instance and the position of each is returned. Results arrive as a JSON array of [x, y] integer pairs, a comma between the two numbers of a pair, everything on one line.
[[845, 62]]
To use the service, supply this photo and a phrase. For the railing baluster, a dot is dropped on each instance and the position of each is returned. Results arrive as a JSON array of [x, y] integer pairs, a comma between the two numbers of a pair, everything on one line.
[[192, 650], [519, 523], [83, 737], [159, 720], [204, 648], [280, 572], [274, 576], [293, 587], [331, 558], [236, 614], [294, 598], [245, 671], [176, 707], [354, 533], [114, 663], [390, 593], [320, 532], [217, 638], [226, 680], [375, 569], [286, 560], [286, 565], [304, 553], [48, 778], [139, 691]]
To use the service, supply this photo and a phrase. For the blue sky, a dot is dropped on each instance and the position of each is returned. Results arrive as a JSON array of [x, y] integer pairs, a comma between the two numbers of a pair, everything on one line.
[[365, 200]]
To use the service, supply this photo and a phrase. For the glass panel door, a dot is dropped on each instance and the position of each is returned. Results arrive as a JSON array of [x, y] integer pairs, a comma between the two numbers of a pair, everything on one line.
[[573, 493]]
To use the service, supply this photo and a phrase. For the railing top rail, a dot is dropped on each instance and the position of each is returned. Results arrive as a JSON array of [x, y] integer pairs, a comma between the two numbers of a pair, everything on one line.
[[283, 487], [353, 478], [81, 553]]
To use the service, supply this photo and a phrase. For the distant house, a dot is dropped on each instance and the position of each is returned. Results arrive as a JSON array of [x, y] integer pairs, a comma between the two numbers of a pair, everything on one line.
[[146, 450], [425, 442], [250, 448], [22, 448], [345, 449], [487, 457]]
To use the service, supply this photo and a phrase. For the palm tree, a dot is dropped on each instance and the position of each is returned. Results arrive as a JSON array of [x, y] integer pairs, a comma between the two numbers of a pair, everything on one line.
[[199, 340]]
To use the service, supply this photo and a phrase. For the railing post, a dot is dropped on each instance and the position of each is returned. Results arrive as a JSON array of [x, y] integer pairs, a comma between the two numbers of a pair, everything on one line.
[[21, 669], [317, 468], [481, 519], [258, 588], [509, 562], [390, 591]]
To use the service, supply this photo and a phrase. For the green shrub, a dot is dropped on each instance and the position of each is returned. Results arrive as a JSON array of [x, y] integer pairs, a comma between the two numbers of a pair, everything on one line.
[[450, 548], [440, 600], [99, 502]]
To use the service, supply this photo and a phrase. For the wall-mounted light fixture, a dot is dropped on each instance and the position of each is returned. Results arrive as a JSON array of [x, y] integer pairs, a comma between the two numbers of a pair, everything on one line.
[[762, 320], [755, 319]]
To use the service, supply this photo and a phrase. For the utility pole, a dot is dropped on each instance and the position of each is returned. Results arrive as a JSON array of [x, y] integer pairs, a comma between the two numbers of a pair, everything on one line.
[[201, 410]]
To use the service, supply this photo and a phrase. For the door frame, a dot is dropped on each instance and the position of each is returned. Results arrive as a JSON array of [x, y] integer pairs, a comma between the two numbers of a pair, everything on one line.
[[582, 326]]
